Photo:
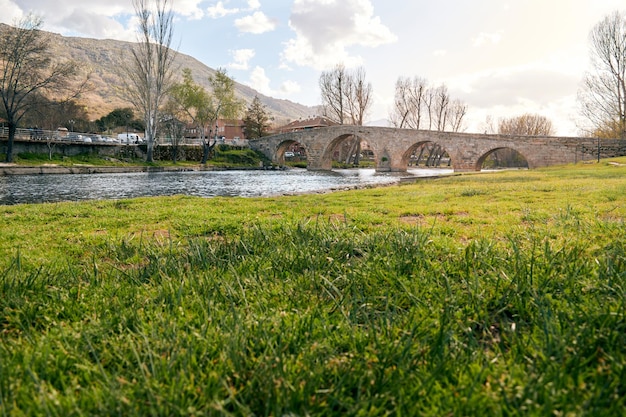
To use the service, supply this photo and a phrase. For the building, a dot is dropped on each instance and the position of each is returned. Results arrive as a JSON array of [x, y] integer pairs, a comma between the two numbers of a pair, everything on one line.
[[229, 132], [310, 123]]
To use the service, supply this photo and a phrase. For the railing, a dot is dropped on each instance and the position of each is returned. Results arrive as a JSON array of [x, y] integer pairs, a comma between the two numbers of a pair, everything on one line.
[[56, 136], [65, 136]]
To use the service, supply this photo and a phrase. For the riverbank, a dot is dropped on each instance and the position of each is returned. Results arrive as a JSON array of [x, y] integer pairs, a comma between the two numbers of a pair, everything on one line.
[[14, 169], [492, 294]]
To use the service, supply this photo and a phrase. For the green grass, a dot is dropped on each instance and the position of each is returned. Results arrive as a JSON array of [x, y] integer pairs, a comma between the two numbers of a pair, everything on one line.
[[492, 294]]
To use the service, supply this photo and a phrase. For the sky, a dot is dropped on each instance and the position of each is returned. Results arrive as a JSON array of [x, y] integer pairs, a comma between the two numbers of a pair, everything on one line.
[[503, 58]]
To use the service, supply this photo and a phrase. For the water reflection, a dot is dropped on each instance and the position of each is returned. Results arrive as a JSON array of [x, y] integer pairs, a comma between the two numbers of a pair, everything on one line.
[[73, 187]]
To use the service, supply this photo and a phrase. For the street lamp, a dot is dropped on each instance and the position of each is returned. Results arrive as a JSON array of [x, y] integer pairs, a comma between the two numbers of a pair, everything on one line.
[[127, 118]]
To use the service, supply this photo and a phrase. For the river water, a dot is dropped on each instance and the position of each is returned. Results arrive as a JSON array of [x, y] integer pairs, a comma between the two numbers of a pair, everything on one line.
[[16, 189]]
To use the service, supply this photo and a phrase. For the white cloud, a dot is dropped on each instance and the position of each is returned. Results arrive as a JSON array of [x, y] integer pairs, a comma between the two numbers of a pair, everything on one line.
[[218, 10], [440, 52], [290, 87], [254, 4], [487, 38], [325, 29], [188, 8], [73, 17], [513, 91], [262, 83], [241, 58], [259, 81], [10, 12], [256, 23]]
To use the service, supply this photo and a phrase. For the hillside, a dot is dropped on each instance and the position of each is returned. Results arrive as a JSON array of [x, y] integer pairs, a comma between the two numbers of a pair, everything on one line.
[[102, 58]]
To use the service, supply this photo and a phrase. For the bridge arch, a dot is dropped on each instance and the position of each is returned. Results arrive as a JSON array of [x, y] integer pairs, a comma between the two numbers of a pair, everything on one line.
[[284, 147], [503, 157], [343, 149], [427, 152]]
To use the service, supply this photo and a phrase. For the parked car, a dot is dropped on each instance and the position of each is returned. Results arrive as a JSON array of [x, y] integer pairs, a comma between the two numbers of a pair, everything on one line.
[[129, 138]]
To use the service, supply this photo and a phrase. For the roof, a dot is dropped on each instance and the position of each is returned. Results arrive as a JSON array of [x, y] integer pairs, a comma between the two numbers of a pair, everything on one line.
[[310, 123]]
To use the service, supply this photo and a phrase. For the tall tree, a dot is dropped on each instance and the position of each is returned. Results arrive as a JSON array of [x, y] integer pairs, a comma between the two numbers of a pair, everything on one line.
[[408, 102], [603, 95], [333, 88], [190, 102], [150, 73], [27, 73], [346, 98], [257, 119], [359, 96], [224, 104]]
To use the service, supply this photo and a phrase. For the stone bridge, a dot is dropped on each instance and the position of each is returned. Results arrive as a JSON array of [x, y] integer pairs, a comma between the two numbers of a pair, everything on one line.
[[393, 147]]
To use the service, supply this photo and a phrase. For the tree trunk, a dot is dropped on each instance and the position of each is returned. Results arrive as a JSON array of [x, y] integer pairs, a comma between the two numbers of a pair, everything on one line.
[[205, 152], [12, 130], [150, 150]]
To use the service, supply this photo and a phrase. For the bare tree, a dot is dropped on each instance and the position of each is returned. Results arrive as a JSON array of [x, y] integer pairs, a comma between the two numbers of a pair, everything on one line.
[[456, 115], [418, 106], [333, 88], [408, 102], [359, 96], [150, 73], [346, 98], [439, 108], [603, 95], [526, 125], [27, 73]]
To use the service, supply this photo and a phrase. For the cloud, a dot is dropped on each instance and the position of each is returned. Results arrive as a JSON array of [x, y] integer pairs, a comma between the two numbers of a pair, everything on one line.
[[261, 83], [241, 58], [188, 8], [513, 91], [254, 4], [290, 87], [510, 86], [486, 38], [218, 10], [256, 23], [74, 17], [10, 12], [325, 29]]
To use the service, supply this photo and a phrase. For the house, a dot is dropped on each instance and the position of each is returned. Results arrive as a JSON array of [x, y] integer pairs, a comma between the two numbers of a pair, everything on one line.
[[310, 123], [229, 132]]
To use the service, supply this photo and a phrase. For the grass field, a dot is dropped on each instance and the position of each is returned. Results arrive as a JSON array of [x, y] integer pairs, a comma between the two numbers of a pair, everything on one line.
[[491, 294]]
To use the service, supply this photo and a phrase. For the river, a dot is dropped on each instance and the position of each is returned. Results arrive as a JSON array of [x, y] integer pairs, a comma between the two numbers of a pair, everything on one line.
[[17, 189]]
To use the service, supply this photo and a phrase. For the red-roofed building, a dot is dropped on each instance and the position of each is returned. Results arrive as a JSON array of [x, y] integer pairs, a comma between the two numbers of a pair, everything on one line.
[[310, 123]]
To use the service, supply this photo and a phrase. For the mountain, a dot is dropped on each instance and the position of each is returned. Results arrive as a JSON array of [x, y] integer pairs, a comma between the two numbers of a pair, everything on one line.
[[102, 58]]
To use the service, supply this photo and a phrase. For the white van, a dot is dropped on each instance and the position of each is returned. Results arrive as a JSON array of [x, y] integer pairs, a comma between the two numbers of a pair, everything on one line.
[[129, 138]]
